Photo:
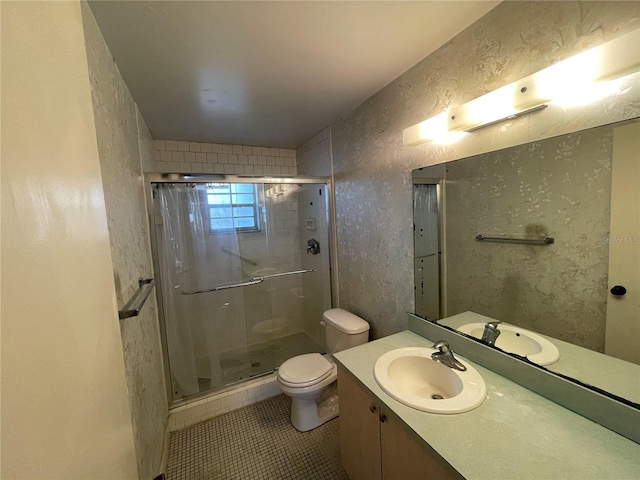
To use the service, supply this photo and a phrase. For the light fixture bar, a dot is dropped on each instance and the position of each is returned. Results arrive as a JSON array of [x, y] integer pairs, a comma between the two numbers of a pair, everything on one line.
[[510, 117], [578, 80], [620, 57]]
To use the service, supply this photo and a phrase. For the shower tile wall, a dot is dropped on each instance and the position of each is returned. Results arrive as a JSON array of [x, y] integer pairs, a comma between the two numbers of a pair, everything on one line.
[[124, 144], [171, 156], [272, 308], [314, 155], [283, 227]]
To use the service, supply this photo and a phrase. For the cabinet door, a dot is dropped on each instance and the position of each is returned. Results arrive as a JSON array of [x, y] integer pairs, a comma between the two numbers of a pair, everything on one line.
[[403, 458], [359, 431]]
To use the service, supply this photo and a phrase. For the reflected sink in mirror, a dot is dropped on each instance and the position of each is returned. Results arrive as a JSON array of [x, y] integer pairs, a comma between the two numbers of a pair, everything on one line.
[[411, 377], [517, 340]]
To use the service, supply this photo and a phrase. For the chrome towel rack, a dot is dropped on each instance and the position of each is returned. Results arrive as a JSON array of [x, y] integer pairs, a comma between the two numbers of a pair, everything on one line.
[[522, 241], [133, 306], [252, 281]]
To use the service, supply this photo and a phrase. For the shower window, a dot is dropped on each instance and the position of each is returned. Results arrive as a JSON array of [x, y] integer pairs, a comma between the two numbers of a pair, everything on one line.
[[232, 207]]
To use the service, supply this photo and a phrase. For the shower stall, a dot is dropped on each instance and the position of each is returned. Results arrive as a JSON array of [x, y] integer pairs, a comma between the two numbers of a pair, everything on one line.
[[243, 273]]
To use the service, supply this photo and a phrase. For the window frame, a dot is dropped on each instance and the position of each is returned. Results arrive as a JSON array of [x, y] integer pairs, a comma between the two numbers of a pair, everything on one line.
[[255, 206]]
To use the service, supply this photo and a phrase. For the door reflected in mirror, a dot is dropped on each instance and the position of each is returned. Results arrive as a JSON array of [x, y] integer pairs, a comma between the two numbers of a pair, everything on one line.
[[558, 189]]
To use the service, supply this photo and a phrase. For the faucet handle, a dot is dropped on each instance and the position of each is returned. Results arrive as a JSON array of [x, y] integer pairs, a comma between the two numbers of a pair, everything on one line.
[[491, 332], [442, 346], [445, 356]]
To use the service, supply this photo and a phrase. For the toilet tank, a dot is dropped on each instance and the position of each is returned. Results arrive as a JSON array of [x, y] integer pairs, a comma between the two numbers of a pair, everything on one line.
[[343, 330]]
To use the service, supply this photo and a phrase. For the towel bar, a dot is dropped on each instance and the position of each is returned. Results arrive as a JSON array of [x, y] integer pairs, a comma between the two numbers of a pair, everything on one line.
[[133, 306], [523, 241]]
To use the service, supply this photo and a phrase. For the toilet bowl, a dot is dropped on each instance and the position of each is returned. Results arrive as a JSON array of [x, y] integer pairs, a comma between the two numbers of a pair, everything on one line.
[[310, 379]]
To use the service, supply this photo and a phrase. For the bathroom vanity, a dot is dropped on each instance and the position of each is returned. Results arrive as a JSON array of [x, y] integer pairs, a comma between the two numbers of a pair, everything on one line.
[[374, 443], [514, 433]]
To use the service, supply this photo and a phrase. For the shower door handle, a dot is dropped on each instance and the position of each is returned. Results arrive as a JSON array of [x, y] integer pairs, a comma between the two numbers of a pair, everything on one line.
[[293, 272], [253, 281]]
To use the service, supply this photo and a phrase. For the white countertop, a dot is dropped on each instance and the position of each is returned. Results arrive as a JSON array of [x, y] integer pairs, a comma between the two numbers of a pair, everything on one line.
[[514, 434]]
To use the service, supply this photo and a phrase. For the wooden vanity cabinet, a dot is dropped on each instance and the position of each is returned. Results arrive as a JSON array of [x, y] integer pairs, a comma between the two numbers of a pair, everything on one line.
[[375, 446], [359, 430]]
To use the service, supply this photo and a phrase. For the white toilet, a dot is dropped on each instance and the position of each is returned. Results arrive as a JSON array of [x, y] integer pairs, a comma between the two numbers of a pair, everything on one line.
[[310, 380]]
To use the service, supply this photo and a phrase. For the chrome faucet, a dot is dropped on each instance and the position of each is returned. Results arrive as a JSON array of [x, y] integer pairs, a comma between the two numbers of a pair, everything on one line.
[[491, 333], [445, 356]]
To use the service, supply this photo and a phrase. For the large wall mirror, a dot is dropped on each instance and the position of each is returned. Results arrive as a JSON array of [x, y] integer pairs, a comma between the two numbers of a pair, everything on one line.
[[545, 239]]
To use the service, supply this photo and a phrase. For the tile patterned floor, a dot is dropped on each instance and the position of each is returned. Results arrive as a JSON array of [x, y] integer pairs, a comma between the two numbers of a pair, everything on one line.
[[255, 443]]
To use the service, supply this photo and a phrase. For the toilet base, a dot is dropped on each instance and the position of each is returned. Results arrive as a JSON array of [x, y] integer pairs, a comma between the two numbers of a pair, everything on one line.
[[310, 413]]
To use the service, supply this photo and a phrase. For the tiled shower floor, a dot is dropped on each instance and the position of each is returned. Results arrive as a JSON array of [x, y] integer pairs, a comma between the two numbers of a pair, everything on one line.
[[255, 442]]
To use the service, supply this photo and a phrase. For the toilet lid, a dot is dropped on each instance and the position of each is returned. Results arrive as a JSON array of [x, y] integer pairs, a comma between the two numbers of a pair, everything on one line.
[[305, 369]]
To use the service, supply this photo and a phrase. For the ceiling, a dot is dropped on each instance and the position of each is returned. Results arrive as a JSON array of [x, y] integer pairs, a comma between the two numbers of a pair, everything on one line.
[[268, 73]]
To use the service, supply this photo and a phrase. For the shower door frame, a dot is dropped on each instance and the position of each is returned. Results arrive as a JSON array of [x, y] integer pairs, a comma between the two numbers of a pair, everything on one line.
[[150, 178], [440, 185]]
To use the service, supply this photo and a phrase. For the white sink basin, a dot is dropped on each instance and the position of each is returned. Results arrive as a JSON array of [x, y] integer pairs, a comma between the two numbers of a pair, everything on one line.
[[519, 341], [410, 376]]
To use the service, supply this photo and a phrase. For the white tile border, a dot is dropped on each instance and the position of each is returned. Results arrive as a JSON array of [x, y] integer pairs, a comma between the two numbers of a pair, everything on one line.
[[171, 156], [252, 391]]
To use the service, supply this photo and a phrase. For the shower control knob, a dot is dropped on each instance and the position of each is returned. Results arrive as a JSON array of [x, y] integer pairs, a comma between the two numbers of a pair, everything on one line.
[[618, 290], [313, 247]]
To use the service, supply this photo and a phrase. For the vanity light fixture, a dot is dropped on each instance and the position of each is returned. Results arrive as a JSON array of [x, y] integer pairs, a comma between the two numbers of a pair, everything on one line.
[[578, 80], [436, 128]]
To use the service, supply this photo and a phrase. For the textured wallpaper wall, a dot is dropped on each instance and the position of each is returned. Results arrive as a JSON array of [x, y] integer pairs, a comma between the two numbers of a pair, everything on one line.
[[372, 168], [124, 145]]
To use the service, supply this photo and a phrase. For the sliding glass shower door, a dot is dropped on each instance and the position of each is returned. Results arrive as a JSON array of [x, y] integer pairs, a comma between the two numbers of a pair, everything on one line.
[[240, 290]]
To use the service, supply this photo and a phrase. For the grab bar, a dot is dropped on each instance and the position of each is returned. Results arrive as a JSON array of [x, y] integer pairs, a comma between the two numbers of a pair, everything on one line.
[[523, 241], [253, 281], [133, 306], [244, 259]]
